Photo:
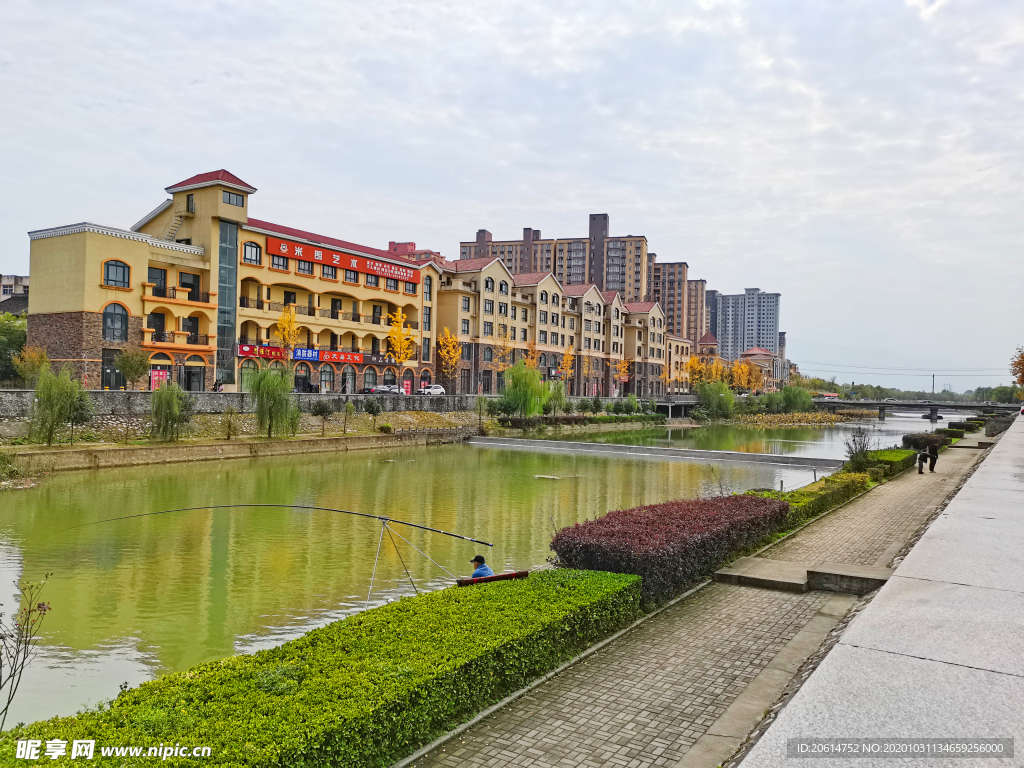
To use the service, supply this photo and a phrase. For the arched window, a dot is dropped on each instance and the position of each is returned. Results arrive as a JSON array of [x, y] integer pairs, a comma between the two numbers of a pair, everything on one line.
[[252, 254], [488, 355], [489, 284], [554, 299], [543, 361], [543, 297], [117, 274], [424, 377], [115, 323], [616, 314], [348, 380], [277, 365], [326, 378], [503, 288], [428, 288], [370, 377], [389, 376]]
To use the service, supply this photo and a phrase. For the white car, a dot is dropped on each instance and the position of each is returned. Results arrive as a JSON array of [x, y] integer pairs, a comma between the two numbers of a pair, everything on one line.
[[431, 389]]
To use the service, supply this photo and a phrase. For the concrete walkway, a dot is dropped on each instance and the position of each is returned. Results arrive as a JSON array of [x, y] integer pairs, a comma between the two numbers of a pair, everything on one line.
[[939, 652], [687, 686]]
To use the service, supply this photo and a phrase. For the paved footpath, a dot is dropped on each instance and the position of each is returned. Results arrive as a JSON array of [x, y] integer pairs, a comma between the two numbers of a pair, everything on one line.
[[705, 669]]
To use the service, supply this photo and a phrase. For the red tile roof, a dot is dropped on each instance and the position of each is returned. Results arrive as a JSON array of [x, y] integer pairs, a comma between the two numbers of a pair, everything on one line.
[[320, 239], [470, 265], [641, 306], [530, 278], [609, 296], [708, 338], [212, 177], [758, 351], [577, 290]]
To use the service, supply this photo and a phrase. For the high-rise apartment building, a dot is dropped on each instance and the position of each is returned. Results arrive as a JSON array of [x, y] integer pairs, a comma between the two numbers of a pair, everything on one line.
[[669, 288], [696, 309], [746, 320], [613, 263], [713, 300]]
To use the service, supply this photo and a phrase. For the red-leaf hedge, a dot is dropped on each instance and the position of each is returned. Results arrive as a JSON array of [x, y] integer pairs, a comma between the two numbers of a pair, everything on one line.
[[670, 545]]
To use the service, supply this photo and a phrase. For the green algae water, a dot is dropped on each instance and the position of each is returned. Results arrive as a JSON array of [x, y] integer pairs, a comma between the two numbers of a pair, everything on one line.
[[139, 597]]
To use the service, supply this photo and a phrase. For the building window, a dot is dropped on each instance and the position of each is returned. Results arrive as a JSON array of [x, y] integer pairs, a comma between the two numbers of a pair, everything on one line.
[[586, 342], [389, 376], [503, 308], [410, 288], [252, 254], [289, 297], [304, 267], [543, 317], [526, 315], [117, 274], [522, 334], [467, 351], [426, 350], [488, 329], [554, 299], [232, 198], [426, 318], [503, 288], [488, 355], [279, 262], [554, 319], [351, 276], [115, 323], [543, 337], [513, 313], [330, 273], [428, 288], [543, 297], [372, 281], [465, 303], [512, 333], [465, 326], [489, 284], [390, 284], [488, 307]]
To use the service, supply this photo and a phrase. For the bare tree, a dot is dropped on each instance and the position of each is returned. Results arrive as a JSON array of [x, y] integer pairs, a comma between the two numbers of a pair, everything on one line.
[[858, 442], [17, 639]]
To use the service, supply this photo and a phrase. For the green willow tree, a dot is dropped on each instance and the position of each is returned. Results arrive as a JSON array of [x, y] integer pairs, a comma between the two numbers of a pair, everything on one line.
[[271, 389], [525, 392], [172, 410], [55, 397]]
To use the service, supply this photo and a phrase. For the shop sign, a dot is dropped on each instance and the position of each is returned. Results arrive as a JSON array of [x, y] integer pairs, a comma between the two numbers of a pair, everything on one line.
[[301, 353], [379, 359], [157, 377], [333, 356], [252, 350], [315, 253]]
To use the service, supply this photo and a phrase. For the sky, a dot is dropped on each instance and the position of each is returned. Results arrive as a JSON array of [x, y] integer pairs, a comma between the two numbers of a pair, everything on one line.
[[861, 158]]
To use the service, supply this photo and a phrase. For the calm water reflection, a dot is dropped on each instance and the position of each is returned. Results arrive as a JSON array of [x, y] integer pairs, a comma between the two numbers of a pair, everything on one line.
[[134, 598]]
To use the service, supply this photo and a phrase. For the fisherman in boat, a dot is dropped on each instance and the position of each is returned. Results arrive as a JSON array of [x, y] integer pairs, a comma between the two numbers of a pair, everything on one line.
[[482, 568]]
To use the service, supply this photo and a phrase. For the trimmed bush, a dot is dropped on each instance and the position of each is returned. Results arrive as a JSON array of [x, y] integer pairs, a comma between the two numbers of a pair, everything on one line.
[[877, 474], [369, 689], [818, 498], [957, 433], [670, 545], [923, 440], [894, 460], [966, 426]]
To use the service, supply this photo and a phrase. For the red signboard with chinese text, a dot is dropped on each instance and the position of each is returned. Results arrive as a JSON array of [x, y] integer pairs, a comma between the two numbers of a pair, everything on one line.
[[252, 350], [157, 378], [332, 356], [324, 255]]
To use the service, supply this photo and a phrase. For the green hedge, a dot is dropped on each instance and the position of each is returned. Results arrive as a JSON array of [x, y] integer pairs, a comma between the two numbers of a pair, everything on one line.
[[813, 500], [957, 433], [368, 689], [894, 460], [966, 426]]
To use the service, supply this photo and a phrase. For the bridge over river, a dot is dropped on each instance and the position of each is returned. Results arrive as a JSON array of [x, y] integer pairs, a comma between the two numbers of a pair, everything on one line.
[[682, 405]]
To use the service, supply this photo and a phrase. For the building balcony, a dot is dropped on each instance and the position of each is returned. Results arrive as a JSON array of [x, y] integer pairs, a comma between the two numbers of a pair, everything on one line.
[[178, 340], [175, 295]]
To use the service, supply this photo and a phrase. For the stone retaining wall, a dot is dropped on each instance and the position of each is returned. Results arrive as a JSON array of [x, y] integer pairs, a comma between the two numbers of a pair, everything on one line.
[[16, 403]]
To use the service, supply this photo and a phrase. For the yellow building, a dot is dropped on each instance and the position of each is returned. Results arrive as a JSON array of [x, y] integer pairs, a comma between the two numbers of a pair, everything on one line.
[[645, 345], [200, 285], [677, 353]]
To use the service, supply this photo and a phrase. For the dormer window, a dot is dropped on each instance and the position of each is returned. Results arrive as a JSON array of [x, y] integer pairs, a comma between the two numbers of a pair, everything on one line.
[[233, 198]]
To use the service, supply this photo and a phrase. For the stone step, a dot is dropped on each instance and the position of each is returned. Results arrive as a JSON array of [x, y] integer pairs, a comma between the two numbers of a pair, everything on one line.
[[801, 577]]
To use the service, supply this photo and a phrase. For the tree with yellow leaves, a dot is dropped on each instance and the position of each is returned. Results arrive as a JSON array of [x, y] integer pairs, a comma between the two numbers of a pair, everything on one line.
[[695, 370], [504, 350], [622, 369], [532, 358], [449, 353], [717, 371], [568, 364], [288, 331], [587, 371], [1017, 366], [400, 345]]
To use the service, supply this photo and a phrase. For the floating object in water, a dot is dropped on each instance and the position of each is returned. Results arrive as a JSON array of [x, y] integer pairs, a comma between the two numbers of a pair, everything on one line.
[[495, 577], [546, 477]]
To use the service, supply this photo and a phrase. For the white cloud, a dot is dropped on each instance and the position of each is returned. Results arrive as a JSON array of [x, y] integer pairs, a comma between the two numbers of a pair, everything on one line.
[[863, 159]]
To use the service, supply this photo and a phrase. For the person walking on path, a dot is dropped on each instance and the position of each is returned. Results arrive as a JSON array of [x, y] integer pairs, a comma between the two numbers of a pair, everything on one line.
[[933, 456], [922, 457], [482, 569]]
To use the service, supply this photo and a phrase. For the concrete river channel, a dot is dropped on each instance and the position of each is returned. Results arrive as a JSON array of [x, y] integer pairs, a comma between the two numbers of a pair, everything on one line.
[[135, 598]]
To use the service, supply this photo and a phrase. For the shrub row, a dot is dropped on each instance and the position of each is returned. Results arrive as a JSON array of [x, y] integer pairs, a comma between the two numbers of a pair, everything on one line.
[[966, 426], [818, 498], [894, 460], [670, 545], [954, 433], [371, 688], [924, 439]]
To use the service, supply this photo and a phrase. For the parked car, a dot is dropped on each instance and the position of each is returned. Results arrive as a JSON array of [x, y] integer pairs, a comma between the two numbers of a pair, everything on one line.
[[927, 402], [366, 391], [890, 400], [385, 389], [431, 389]]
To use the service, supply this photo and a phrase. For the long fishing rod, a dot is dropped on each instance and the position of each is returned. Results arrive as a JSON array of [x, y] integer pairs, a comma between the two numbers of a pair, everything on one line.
[[383, 519]]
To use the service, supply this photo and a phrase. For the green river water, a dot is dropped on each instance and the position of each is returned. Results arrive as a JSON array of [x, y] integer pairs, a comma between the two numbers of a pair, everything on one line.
[[139, 597]]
